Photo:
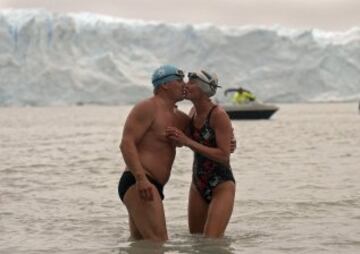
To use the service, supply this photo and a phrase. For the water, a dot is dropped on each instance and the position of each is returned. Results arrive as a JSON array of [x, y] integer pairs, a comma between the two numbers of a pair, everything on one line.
[[297, 184]]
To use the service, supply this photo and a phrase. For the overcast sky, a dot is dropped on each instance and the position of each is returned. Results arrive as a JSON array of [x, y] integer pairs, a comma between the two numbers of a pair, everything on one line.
[[330, 15]]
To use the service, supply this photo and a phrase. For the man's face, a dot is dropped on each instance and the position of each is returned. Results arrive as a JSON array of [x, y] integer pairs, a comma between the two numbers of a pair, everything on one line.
[[177, 89]]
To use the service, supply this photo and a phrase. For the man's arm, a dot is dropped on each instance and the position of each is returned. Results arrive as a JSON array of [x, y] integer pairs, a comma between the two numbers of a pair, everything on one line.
[[233, 144], [185, 123], [137, 124]]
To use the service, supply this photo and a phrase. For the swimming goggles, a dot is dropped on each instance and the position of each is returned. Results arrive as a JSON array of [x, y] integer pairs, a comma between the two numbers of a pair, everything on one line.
[[212, 82]]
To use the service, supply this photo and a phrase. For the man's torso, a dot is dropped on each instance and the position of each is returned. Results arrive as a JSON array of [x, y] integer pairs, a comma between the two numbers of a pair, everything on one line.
[[156, 151]]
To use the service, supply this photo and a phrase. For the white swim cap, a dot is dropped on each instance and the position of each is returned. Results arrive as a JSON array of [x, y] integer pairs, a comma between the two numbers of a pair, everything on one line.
[[206, 81]]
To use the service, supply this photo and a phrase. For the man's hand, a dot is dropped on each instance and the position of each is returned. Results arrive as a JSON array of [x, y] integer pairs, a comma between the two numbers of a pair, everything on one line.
[[145, 189]]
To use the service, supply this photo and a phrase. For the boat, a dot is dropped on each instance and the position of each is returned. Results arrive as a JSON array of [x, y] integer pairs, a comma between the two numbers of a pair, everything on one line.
[[252, 109]]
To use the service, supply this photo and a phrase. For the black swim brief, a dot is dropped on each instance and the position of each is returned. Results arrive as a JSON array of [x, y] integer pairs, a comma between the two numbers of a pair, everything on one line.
[[127, 180]]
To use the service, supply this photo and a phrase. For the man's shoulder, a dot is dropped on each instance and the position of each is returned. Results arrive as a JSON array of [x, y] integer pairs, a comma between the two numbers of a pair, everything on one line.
[[144, 109], [145, 105]]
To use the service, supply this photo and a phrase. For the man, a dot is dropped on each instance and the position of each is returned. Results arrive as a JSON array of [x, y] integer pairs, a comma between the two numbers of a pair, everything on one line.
[[242, 96], [149, 154]]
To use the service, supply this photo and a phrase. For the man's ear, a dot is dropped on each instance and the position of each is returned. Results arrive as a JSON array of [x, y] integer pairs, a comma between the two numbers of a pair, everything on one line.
[[165, 87]]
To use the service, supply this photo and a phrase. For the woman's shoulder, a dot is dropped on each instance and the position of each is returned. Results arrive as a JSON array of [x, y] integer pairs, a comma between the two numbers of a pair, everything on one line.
[[219, 114], [219, 111]]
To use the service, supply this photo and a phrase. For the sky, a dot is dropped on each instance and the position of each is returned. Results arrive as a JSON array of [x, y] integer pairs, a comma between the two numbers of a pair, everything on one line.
[[327, 15]]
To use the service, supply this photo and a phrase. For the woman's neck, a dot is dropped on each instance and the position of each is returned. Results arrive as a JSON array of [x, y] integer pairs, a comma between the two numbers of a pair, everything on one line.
[[202, 106]]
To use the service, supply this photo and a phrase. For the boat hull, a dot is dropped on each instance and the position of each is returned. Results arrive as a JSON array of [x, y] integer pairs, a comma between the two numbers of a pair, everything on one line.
[[252, 110]]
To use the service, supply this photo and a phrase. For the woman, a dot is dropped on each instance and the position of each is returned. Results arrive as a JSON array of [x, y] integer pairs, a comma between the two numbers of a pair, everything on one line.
[[212, 190]]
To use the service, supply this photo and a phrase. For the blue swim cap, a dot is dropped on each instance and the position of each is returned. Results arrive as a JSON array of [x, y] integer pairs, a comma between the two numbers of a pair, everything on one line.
[[166, 73]]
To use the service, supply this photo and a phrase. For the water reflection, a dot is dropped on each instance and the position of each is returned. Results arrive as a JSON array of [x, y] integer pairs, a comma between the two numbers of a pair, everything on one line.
[[145, 247], [207, 245], [186, 244]]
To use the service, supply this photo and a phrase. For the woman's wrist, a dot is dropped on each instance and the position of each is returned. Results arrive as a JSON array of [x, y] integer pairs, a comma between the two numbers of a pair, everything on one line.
[[189, 143]]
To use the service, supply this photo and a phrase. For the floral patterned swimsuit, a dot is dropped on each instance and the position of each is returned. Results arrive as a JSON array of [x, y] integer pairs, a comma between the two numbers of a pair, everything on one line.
[[207, 173]]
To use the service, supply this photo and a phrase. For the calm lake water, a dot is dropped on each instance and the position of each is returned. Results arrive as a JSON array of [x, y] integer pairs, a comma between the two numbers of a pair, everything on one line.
[[298, 184]]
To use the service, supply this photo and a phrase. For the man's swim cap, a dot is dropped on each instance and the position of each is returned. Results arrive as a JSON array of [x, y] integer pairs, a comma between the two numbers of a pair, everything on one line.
[[206, 81], [166, 73]]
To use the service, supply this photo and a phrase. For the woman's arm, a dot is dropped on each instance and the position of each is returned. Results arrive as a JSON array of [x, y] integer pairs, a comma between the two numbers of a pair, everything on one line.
[[223, 131]]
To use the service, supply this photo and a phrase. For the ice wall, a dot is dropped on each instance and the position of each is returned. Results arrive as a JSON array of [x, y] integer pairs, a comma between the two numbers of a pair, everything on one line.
[[64, 59]]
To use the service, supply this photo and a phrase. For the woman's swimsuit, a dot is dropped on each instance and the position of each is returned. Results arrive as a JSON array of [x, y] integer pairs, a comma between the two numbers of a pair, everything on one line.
[[207, 173]]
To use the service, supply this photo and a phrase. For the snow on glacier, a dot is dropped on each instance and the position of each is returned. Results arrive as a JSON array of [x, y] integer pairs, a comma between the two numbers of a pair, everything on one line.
[[65, 59]]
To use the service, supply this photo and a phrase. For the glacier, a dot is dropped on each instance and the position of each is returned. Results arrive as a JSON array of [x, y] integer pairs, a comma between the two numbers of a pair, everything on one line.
[[49, 58]]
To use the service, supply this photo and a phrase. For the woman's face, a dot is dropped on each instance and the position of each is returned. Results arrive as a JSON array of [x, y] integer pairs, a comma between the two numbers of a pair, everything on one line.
[[192, 90]]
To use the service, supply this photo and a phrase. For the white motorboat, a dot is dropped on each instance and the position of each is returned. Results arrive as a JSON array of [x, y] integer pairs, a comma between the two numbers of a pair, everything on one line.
[[250, 110]]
